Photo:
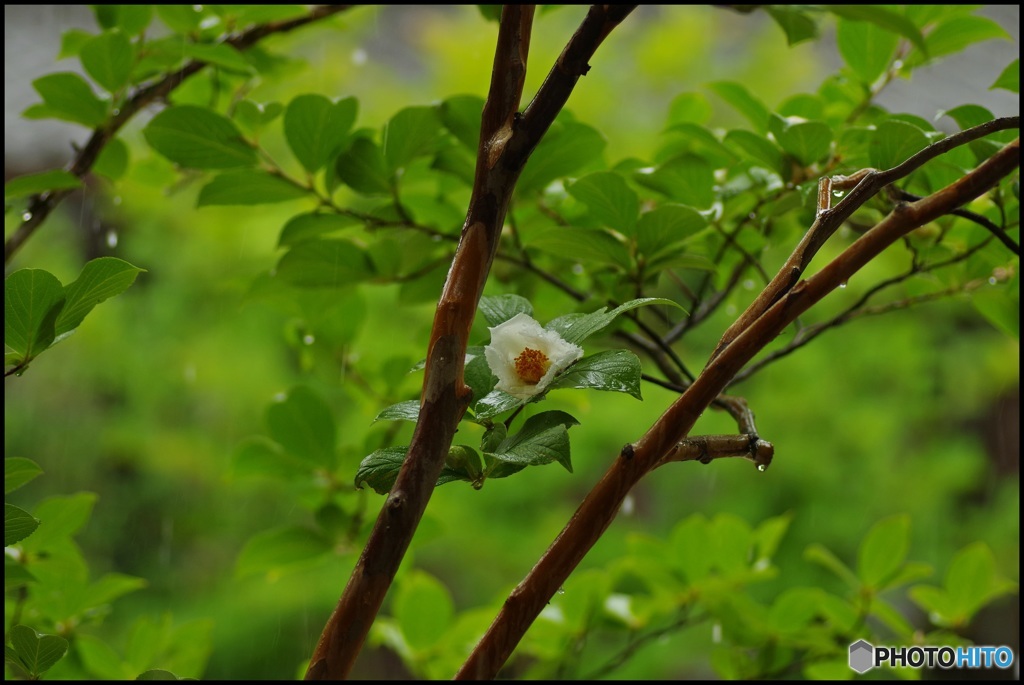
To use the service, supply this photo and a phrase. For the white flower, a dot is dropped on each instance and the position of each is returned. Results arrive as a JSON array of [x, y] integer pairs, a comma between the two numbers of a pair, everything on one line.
[[525, 357]]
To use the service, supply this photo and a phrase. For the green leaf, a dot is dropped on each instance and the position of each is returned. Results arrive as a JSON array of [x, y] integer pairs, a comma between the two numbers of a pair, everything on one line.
[[261, 456], [113, 160], [808, 141], [32, 301], [609, 199], [883, 18], [760, 149], [111, 586], [18, 471], [824, 557], [37, 652], [769, 534], [478, 375], [461, 116], [731, 539], [67, 96], [315, 128], [18, 523], [72, 40], [132, 19], [883, 550], [867, 48], [498, 309], [971, 580], [304, 425], [179, 18], [402, 411], [253, 117], [199, 138], [582, 244], [60, 516], [564, 150], [494, 403], [313, 225], [544, 438], [688, 108], [1010, 78], [362, 168], [691, 547], [101, 279], [275, 550], [894, 142], [740, 99], [157, 674], [424, 610], [794, 609], [249, 187], [33, 184], [797, 24], [613, 370], [665, 226], [1001, 307], [108, 59], [957, 33], [324, 263], [380, 468], [409, 134], [222, 55], [576, 328], [687, 179]]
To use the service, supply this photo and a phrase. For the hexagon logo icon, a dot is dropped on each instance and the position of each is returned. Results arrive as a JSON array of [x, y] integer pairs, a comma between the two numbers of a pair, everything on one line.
[[862, 656]]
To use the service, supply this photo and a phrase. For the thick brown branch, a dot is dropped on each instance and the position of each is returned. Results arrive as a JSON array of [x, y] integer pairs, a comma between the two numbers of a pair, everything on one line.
[[505, 146], [600, 506], [40, 206]]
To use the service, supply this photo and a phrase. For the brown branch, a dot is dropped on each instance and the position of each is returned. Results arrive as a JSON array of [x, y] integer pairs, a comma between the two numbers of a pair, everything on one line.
[[600, 506], [506, 141], [40, 206], [870, 182]]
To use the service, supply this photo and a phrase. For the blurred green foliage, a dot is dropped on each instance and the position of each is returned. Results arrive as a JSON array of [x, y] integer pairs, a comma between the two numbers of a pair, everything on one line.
[[212, 418]]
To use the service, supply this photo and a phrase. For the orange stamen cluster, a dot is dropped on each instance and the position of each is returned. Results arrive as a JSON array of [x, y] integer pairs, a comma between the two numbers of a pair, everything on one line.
[[531, 365]]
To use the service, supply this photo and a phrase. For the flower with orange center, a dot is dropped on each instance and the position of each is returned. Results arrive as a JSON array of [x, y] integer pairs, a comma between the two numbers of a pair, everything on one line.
[[525, 357]]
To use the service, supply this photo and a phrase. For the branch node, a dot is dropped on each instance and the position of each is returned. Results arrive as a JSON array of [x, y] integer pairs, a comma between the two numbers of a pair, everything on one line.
[[627, 451]]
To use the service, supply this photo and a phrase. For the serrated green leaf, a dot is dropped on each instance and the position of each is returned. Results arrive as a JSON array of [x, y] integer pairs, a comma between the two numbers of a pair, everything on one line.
[[408, 134], [544, 438], [37, 652], [273, 551], [424, 610], [313, 225], [493, 437], [665, 226], [808, 141], [576, 328], [222, 55], [199, 138], [18, 524], [1010, 78], [760, 149], [18, 471], [692, 108], [60, 516], [882, 17], [894, 142], [304, 425], [609, 199], [687, 179], [867, 48], [68, 97], [564, 150], [740, 99], [363, 169], [797, 24], [101, 279], [32, 301], [461, 116], [883, 550], [108, 59], [402, 411], [498, 309], [324, 263], [249, 187], [612, 370], [113, 160], [315, 128], [477, 374], [380, 468], [582, 244], [33, 184]]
